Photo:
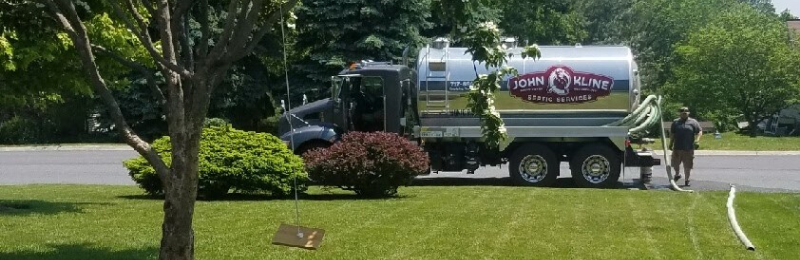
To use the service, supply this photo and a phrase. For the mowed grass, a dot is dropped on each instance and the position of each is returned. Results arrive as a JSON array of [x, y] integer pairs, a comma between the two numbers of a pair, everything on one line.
[[732, 141], [481, 222]]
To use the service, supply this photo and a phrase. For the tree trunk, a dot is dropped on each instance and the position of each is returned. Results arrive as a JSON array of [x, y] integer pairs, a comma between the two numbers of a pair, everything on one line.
[[177, 240], [186, 107]]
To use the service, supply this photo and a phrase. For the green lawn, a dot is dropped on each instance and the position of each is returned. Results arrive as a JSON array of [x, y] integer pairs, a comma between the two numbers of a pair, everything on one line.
[[115, 222], [735, 142]]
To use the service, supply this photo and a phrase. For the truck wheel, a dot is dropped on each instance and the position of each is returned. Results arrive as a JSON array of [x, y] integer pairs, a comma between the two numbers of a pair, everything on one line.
[[533, 165], [595, 166]]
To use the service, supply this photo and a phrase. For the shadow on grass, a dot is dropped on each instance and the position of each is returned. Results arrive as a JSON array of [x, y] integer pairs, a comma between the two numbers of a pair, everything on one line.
[[26, 207], [339, 196], [325, 196], [81, 252], [142, 197], [455, 181], [561, 183]]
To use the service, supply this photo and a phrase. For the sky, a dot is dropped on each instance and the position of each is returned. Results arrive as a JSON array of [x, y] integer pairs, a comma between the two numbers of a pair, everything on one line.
[[793, 5]]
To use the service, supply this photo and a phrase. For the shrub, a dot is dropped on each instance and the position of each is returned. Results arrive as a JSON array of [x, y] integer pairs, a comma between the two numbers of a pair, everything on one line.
[[209, 122], [19, 130], [371, 164], [246, 162]]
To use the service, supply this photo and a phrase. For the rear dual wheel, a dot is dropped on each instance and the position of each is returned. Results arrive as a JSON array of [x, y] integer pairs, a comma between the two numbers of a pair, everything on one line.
[[595, 166], [533, 165]]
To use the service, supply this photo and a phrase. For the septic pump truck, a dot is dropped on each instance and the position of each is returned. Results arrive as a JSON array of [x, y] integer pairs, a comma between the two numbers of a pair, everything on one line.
[[576, 104]]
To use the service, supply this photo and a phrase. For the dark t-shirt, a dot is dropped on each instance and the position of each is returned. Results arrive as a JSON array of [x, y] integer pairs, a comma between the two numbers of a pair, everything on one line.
[[683, 131]]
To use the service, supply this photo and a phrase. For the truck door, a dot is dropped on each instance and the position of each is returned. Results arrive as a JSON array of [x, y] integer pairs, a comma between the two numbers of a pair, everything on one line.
[[369, 104], [340, 89]]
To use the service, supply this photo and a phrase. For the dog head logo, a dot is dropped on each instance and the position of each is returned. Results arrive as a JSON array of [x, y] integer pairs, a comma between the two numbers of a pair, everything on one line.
[[559, 81]]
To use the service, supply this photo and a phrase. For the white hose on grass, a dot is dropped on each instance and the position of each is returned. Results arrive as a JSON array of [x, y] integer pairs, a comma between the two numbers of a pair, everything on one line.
[[735, 223]]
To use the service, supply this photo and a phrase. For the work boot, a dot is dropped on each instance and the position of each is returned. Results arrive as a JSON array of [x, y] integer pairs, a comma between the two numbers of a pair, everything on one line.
[[687, 183], [677, 177]]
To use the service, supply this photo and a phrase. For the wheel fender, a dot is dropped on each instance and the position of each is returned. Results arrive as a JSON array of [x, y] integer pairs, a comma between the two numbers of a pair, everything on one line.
[[296, 138]]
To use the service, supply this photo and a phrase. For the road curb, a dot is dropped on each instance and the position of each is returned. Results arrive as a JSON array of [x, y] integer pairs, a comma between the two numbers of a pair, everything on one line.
[[125, 147], [739, 153], [109, 147]]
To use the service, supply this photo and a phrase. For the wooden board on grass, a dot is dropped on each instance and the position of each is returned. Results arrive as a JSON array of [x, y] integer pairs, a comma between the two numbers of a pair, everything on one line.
[[287, 236]]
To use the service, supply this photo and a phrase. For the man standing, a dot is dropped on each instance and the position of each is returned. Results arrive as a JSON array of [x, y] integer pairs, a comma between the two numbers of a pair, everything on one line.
[[684, 137]]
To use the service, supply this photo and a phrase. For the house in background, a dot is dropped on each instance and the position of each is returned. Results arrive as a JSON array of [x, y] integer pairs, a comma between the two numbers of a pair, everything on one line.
[[794, 26]]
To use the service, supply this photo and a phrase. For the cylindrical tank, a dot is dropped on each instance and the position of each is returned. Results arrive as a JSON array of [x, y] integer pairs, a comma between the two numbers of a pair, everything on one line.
[[590, 81]]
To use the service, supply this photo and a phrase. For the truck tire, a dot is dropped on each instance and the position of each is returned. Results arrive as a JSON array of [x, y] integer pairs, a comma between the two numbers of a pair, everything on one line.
[[595, 166], [533, 165]]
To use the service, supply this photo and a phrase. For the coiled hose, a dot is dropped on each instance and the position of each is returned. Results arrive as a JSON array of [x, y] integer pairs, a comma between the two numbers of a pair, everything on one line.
[[647, 115], [644, 117]]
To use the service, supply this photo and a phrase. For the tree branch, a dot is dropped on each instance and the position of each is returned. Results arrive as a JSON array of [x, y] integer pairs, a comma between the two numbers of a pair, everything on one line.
[[227, 32], [181, 8], [149, 6], [144, 36], [266, 27], [180, 30], [80, 39], [244, 27], [205, 29], [149, 76], [62, 19], [202, 93], [185, 48]]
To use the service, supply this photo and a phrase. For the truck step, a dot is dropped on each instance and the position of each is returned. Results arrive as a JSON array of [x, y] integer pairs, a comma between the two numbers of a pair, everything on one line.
[[436, 77]]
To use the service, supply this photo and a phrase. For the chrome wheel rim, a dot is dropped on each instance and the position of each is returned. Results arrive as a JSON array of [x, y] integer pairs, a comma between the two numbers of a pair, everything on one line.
[[533, 168], [596, 169]]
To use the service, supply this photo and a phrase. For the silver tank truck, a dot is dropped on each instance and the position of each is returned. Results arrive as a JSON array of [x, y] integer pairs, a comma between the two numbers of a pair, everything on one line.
[[576, 104]]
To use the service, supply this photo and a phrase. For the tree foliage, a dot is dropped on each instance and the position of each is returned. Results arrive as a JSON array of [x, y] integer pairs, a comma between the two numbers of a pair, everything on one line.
[[787, 15], [333, 33], [542, 22], [764, 6], [605, 21], [481, 36], [485, 44], [658, 25], [39, 63], [741, 63]]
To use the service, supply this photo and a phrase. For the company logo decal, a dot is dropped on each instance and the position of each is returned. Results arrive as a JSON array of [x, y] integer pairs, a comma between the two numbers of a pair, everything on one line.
[[560, 85]]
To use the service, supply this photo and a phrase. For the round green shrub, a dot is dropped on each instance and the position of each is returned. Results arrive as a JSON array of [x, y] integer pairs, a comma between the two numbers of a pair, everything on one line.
[[209, 122], [21, 130], [230, 159], [371, 164]]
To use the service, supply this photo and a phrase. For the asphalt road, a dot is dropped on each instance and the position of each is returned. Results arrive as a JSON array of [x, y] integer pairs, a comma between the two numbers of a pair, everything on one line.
[[762, 173], [768, 173], [74, 167]]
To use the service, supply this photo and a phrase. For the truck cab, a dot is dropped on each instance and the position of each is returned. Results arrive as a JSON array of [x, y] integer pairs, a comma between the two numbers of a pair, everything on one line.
[[367, 97]]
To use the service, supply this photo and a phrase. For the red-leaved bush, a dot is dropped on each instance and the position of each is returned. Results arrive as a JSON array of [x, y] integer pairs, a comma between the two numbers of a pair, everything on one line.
[[371, 164]]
